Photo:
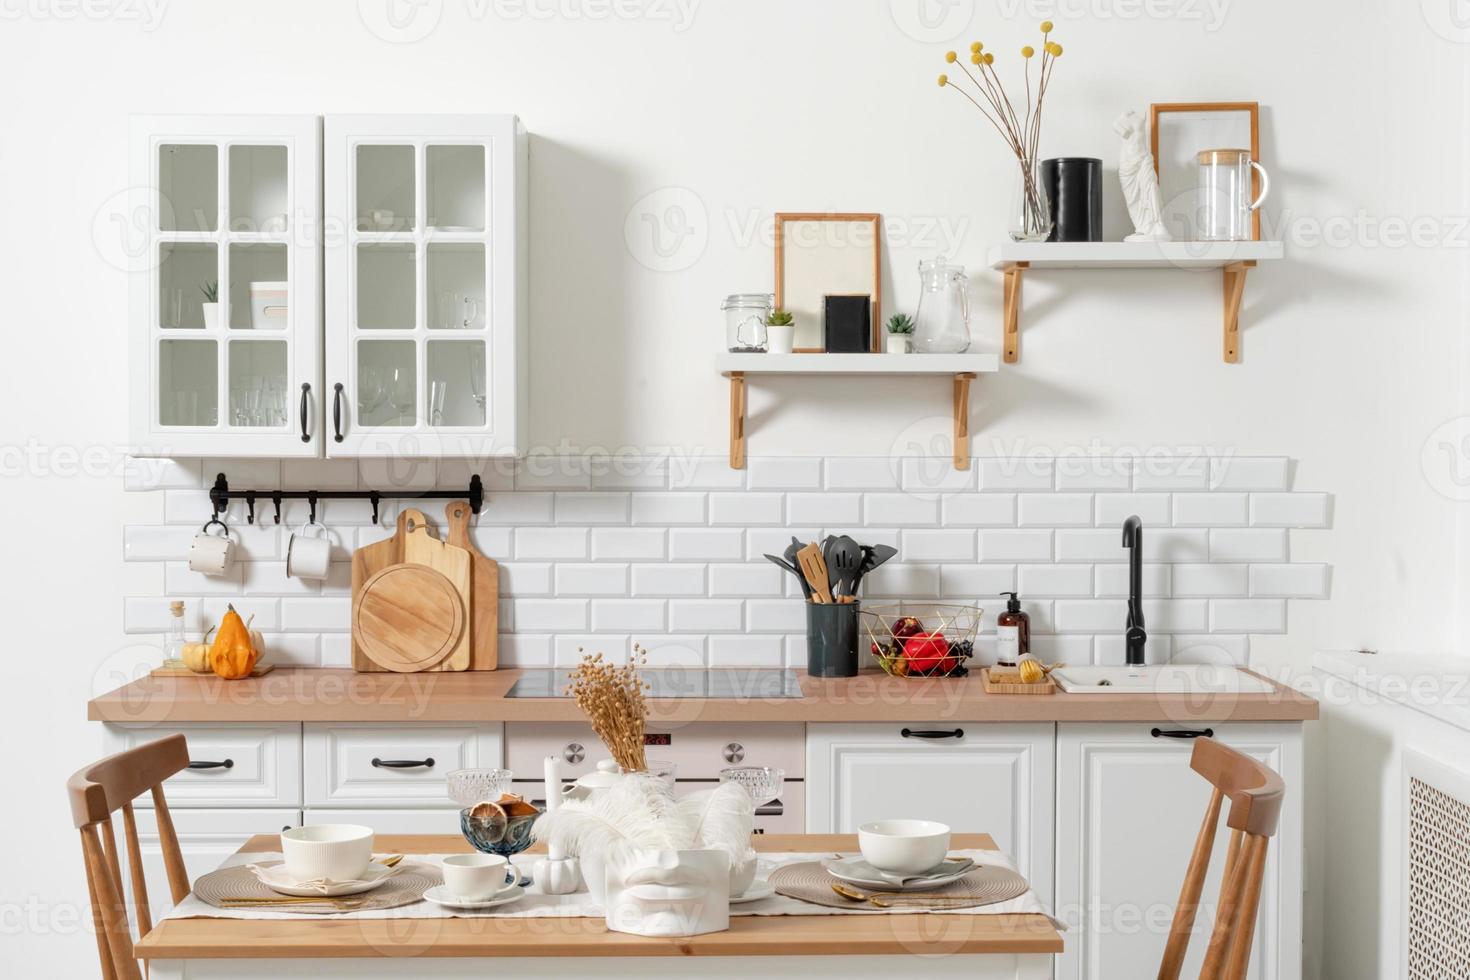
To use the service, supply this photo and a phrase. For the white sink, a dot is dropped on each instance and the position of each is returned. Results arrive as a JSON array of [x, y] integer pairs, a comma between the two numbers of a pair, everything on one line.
[[1161, 679]]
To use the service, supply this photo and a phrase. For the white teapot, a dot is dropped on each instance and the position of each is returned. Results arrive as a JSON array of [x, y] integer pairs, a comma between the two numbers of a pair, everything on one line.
[[606, 774]]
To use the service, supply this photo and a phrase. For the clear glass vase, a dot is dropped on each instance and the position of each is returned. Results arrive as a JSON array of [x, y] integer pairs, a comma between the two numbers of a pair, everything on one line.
[[1030, 211]]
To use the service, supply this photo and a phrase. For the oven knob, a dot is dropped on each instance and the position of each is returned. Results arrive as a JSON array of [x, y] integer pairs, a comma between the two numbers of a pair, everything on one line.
[[573, 753], [734, 752]]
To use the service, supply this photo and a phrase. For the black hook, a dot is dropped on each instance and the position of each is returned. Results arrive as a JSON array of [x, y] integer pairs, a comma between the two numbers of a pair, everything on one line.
[[312, 498], [219, 494], [250, 506], [375, 497], [276, 499], [477, 494]]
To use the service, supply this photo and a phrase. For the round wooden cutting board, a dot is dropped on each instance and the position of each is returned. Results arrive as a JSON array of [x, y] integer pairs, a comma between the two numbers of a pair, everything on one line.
[[408, 618]]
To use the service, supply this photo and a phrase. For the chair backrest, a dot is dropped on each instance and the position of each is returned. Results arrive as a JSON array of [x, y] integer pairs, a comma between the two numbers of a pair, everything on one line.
[[1255, 793], [99, 791]]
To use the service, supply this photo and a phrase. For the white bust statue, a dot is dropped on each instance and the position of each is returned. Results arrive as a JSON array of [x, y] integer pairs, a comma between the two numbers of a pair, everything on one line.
[[1140, 182]]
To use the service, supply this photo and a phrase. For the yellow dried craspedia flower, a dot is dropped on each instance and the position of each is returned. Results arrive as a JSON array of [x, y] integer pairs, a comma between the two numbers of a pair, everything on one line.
[[1046, 27], [977, 58], [989, 58], [950, 56], [943, 80], [1055, 49], [976, 46], [1027, 51]]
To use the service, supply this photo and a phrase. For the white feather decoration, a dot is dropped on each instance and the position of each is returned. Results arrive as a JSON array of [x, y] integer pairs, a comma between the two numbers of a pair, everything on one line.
[[635, 812], [722, 817]]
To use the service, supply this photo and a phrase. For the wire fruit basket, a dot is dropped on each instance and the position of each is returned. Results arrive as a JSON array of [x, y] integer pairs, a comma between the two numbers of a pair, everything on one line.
[[916, 639]]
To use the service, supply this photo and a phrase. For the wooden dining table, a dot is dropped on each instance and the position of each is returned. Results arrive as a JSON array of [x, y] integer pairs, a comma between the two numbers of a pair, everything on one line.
[[1018, 946]]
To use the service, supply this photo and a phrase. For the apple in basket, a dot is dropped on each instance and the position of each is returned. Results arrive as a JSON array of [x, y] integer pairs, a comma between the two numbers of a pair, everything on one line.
[[927, 653]]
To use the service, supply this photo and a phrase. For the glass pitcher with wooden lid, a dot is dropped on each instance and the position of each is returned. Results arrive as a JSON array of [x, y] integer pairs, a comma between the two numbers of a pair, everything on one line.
[[1225, 195]]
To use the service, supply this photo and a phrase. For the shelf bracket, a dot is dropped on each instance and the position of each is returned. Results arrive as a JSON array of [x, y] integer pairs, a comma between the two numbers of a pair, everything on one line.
[[1012, 294], [1234, 279], [962, 420], [737, 420]]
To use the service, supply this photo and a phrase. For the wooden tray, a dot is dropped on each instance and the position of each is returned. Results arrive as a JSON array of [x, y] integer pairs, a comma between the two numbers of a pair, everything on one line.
[[176, 668], [1007, 681]]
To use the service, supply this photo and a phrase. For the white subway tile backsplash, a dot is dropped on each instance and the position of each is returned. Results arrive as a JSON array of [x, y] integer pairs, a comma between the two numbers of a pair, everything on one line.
[[1209, 509], [547, 472], [156, 473], [1111, 580], [1055, 509], [629, 543], [551, 543], [493, 542], [568, 650], [704, 473], [336, 649], [673, 649], [1248, 545], [850, 473], [762, 541], [745, 509], [524, 650], [594, 580], [158, 542], [1107, 615], [1031, 544], [784, 473], [1250, 473], [525, 578], [1217, 649], [775, 616], [1288, 510], [264, 578], [764, 651], [706, 615], [1015, 473], [1055, 581], [1160, 544], [533, 615], [899, 578], [1306, 581], [1090, 545], [706, 544], [294, 649], [1152, 508], [979, 510], [818, 509], [516, 508], [1062, 648], [899, 509], [496, 475], [591, 508], [338, 580], [261, 613], [945, 545], [1248, 615], [242, 474], [753, 579], [976, 581], [668, 508], [934, 475], [1210, 580], [393, 475], [1095, 472], [1172, 473], [628, 615], [619, 472], [669, 580], [325, 613]]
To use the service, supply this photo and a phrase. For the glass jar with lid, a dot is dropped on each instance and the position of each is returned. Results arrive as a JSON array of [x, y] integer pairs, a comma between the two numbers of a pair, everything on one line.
[[745, 321]]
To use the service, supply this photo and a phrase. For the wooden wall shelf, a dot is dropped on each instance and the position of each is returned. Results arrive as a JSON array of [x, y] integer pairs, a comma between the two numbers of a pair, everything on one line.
[[1233, 259], [961, 368]]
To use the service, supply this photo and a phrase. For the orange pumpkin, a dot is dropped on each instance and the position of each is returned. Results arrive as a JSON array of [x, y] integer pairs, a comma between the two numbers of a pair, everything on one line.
[[233, 654]]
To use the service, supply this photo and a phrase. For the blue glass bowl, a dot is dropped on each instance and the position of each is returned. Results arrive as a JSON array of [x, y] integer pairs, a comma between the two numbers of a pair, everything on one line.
[[490, 838]]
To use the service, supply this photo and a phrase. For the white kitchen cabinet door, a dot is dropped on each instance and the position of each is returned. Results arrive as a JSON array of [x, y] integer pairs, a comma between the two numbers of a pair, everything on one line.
[[206, 838], [1128, 811], [357, 764], [977, 778], [224, 226], [231, 765], [426, 315]]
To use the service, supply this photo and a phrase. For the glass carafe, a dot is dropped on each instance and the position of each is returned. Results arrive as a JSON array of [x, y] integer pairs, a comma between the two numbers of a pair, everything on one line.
[[942, 323]]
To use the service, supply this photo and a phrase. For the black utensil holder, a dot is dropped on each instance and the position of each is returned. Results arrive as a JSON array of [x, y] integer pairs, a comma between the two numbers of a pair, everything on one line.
[[832, 630]]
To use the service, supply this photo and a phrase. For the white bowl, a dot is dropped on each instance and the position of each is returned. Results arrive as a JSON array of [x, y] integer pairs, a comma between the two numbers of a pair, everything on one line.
[[904, 847], [336, 851], [474, 877], [742, 873]]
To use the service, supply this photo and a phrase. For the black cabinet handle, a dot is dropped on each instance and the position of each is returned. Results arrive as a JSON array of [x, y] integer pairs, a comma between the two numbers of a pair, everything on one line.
[[403, 763], [227, 764], [337, 410], [772, 809], [305, 399], [929, 733], [285, 828], [1182, 733]]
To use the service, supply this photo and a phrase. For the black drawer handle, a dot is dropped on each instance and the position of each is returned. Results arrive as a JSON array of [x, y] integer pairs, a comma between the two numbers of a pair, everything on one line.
[[1182, 733], [403, 763], [227, 764], [930, 733], [772, 809]]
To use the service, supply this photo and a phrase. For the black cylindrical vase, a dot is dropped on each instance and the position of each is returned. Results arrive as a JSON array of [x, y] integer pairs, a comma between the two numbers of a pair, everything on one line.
[[832, 639], [1074, 188]]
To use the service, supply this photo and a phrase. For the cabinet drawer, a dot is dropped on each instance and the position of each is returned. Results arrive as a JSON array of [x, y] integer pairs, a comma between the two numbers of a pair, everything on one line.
[[405, 765], [231, 765]]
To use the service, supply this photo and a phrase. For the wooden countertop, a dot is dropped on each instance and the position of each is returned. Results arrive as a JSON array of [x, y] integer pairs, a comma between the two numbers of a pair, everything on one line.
[[749, 935], [318, 694]]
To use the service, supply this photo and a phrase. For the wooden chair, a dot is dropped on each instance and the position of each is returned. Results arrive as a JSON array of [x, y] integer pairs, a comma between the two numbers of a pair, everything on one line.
[[96, 793], [1255, 794]]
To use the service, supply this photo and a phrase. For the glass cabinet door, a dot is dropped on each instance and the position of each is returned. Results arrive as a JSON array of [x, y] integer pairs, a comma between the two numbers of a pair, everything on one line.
[[425, 311], [228, 326]]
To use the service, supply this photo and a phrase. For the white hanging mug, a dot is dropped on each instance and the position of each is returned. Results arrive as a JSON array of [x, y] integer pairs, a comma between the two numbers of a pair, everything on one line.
[[212, 554], [309, 556]]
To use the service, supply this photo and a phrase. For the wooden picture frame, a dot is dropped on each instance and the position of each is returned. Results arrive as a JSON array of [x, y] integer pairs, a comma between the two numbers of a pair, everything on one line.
[[846, 261], [1252, 111]]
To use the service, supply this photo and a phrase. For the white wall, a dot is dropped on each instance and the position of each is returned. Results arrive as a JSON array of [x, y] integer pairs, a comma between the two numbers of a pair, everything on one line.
[[1352, 351]]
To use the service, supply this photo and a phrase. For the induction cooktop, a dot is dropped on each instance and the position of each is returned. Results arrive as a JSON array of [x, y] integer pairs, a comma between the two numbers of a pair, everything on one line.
[[729, 683]]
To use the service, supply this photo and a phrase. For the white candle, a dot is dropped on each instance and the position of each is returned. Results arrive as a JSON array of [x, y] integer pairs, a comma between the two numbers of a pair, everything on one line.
[[553, 785]]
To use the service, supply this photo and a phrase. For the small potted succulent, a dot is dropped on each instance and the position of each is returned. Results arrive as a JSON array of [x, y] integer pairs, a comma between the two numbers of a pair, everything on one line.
[[780, 332], [900, 329], [210, 305]]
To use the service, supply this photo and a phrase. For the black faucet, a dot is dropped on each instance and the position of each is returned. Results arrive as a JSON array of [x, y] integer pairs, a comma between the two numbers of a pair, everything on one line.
[[1135, 637]]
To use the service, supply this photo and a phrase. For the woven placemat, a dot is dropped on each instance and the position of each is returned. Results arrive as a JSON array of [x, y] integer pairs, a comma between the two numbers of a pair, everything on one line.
[[404, 888], [983, 885]]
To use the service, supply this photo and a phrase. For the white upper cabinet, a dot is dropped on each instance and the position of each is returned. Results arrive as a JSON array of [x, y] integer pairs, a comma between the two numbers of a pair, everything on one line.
[[225, 310], [426, 285]]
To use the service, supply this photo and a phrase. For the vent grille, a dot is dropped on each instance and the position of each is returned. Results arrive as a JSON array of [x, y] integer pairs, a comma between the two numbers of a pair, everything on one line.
[[1438, 869]]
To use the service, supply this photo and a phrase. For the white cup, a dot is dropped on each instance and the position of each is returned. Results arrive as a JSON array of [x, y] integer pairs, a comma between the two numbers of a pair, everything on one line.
[[212, 554], [335, 851], [309, 556], [474, 877]]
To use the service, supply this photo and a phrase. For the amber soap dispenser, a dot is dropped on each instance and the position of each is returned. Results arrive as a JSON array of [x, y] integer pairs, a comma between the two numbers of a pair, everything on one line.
[[1013, 630]]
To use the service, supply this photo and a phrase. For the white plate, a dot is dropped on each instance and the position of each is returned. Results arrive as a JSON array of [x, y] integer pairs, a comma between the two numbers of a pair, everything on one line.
[[856, 871], [375, 875], [759, 889], [439, 895]]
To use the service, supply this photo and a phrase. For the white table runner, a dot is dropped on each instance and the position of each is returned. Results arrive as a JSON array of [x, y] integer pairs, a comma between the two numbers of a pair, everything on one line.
[[580, 904]]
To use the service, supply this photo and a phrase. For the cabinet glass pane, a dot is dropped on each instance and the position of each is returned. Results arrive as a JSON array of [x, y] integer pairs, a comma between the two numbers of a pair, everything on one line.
[[385, 188], [258, 193], [188, 187], [258, 383], [387, 386], [259, 291], [188, 382], [456, 284], [187, 272], [456, 382], [456, 187], [385, 287]]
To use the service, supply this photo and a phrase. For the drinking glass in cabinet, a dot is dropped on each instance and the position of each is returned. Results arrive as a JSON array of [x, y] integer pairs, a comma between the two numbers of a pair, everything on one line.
[[188, 382], [188, 187], [385, 186], [259, 193], [456, 187], [251, 268], [386, 298], [456, 276], [258, 383], [387, 385], [188, 278], [456, 399]]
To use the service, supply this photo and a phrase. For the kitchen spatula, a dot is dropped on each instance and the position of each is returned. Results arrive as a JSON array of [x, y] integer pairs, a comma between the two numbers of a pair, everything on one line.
[[809, 559]]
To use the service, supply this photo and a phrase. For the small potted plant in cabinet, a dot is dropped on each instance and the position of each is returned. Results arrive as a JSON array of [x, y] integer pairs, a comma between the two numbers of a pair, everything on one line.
[[210, 306], [900, 329], [780, 332]]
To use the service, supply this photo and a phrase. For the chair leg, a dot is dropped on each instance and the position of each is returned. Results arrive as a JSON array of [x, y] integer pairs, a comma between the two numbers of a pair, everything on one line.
[[104, 954], [1227, 912], [1238, 962], [114, 913], [1194, 883]]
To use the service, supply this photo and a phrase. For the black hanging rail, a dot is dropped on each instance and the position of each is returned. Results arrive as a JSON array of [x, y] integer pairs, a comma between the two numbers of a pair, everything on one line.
[[220, 496]]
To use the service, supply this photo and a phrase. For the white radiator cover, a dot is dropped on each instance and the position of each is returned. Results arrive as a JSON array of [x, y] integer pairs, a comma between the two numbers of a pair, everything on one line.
[[1436, 870]]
